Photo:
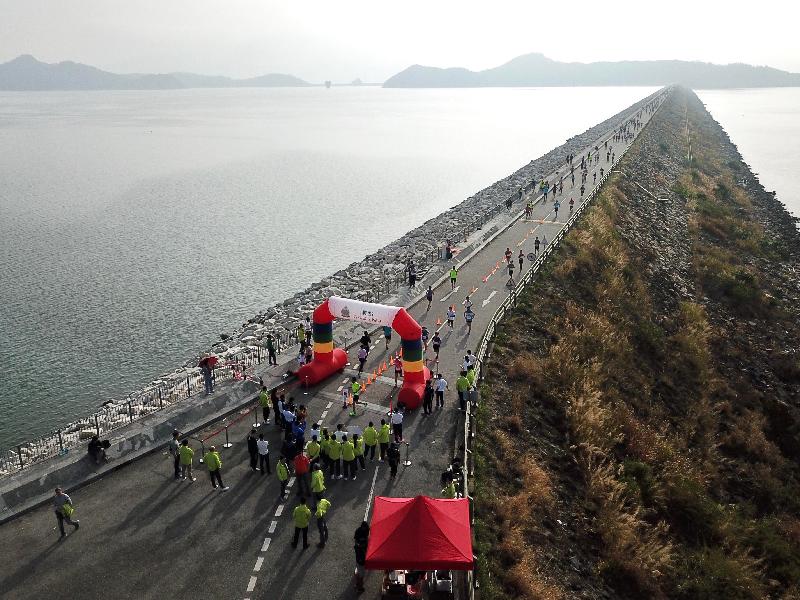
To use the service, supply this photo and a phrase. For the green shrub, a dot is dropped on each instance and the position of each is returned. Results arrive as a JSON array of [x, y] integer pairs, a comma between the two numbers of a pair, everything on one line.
[[693, 515], [714, 574], [638, 476]]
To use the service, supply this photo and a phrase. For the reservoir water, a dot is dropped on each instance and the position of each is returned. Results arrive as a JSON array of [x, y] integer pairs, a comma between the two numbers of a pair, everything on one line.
[[137, 226], [765, 126]]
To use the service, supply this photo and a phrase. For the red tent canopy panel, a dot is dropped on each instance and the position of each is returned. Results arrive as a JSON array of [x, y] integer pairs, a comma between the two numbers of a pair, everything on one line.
[[420, 534]]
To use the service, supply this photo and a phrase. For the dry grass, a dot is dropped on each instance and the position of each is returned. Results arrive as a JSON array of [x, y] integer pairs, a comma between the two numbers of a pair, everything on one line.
[[663, 438]]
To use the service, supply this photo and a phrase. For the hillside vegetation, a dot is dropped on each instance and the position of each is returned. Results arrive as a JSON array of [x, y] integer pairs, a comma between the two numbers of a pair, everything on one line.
[[639, 433]]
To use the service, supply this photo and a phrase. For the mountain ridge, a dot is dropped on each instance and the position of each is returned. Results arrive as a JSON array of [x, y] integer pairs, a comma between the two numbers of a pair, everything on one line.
[[535, 69], [26, 73]]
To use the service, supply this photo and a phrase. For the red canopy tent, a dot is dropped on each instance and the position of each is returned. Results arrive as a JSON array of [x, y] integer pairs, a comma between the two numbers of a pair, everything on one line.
[[420, 534]]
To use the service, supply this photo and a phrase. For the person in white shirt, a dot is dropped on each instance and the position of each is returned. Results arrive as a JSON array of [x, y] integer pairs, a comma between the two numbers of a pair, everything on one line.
[[397, 426], [288, 419], [340, 433], [472, 358], [263, 454], [440, 387]]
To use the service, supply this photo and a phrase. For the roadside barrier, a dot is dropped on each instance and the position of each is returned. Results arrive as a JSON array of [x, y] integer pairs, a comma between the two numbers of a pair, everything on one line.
[[140, 404]]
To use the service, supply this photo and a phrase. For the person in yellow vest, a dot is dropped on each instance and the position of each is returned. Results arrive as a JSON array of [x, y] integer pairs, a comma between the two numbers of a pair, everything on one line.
[[370, 440], [358, 444], [214, 464], [322, 508], [449, 490], [264, 400], [187, 457], [317, 484], [383, 438], [355, 390], [282, 469], [324, 450], [313, 450], [301, 516], [335, 454], [349, 458]]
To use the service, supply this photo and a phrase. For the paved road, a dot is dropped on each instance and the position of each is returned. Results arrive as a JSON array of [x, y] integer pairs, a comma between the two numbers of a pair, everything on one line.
[[145, 536]]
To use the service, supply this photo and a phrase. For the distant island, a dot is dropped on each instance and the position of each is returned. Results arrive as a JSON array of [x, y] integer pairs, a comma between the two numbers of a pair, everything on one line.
[[25, 73], [538, 70]]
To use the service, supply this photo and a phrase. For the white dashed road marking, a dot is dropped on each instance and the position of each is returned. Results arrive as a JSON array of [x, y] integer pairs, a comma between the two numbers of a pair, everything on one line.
[[265, 547], [279, 511], [259, 562], [251, 585], [371, 492], [272, 527]]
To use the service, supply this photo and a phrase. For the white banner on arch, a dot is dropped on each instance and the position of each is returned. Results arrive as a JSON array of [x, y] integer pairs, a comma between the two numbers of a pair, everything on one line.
[[364, 312]]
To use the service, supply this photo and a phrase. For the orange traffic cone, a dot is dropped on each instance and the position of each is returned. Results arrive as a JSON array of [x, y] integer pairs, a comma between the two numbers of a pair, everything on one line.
[[438, 321], [391, 360]]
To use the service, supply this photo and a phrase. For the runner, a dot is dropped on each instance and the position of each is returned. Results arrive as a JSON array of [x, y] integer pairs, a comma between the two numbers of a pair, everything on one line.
[[583, 189], [355, 389], [571, 205], [362, 359], [467, 303], [425, 336], [556, 206], [451, 316], [468, 316], [429, 297], [544, 242], [521, 259], [398, 369], [536, 246], [387, 335], [508, 254], [437, 343], [511, 271], [453, 277]]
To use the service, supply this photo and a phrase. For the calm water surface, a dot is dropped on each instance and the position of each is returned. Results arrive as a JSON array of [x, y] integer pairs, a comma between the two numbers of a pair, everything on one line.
[[765, 126], [137, 226]]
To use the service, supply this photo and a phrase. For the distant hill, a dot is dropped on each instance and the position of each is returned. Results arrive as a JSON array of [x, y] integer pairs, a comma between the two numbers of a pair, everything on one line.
[[538, 70], [27, 73]]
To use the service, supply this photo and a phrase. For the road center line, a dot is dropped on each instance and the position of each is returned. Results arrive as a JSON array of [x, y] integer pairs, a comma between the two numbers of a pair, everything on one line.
[[279, 511], [259, 562], [266, 544], [272, 527], [251, 585]]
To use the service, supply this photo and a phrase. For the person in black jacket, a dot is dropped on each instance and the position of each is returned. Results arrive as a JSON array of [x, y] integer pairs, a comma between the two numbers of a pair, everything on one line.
[[393, 456], [97, 450], [361, 540], [252, 449]]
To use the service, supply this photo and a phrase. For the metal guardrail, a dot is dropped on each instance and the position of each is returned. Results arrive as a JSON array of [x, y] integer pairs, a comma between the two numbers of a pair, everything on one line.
[[142, 403], [482, 353]]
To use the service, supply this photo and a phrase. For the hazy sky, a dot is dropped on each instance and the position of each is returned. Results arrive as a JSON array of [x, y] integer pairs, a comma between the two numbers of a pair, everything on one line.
[[373, 39]]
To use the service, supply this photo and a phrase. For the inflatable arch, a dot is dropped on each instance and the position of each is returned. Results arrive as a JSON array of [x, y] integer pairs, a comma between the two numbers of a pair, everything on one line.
[[327, 359]]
